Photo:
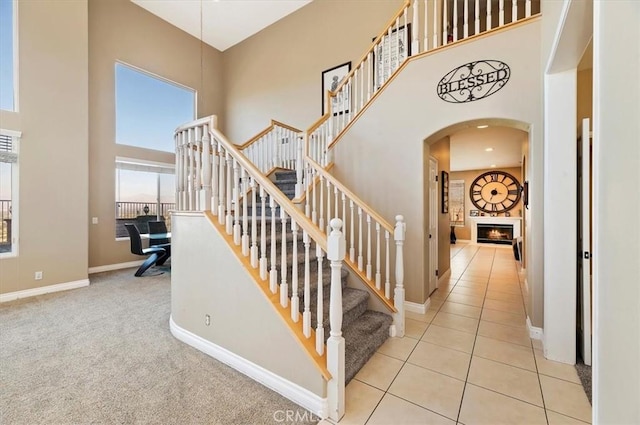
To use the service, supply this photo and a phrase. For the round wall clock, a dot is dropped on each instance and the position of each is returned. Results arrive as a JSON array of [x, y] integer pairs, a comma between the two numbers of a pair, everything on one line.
[[495, 192]]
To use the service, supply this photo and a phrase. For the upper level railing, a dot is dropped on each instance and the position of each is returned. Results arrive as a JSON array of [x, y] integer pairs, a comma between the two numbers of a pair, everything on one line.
[[419, 26]]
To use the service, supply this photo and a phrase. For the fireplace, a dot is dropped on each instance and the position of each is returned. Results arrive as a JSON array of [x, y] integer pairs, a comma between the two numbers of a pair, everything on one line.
[[495, 233]]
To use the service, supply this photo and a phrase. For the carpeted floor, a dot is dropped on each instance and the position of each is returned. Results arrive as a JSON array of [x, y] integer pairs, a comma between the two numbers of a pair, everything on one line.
[[104, 354], [584, 373]]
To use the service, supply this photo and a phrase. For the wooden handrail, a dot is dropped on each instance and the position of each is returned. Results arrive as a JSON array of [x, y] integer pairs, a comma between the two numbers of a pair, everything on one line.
[[352, 196], [284, 202], [265, 132]]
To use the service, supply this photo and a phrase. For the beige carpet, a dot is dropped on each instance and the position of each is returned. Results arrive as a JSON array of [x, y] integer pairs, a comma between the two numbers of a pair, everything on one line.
[[104, 354]]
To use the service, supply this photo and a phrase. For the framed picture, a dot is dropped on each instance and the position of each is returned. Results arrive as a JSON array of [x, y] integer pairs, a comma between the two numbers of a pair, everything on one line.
[[474, 213], [456, 202], [525, 194], [331, 79], [389, 54], [444, 187]]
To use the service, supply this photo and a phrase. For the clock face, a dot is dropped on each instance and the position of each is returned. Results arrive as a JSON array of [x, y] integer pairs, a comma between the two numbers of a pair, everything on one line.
[[495, 192]]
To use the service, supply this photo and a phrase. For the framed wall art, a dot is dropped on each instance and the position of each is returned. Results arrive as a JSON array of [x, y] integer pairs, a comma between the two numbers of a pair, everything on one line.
[[392, 50], [331, 79]]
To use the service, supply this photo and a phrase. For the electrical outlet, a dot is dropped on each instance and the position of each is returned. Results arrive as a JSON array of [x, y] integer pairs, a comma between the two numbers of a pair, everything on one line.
[[38, 276], [207, 319], [94, 220]]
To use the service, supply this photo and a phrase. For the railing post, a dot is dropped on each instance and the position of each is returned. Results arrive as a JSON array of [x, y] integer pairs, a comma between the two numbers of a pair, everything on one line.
[[299, 164], [205, 193], [335, 344], [398, 294]]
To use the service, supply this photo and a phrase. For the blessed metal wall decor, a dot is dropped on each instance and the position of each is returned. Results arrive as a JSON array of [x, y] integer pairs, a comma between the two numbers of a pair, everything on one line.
[[473, 81]]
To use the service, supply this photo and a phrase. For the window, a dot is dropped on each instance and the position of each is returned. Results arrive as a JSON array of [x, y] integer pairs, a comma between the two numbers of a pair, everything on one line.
[[144, 192], [7, 56], [9, 192], [149, 109]]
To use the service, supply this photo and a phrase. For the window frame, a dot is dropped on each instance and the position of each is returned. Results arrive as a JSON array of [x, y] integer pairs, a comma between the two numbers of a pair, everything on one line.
[[15, 194]]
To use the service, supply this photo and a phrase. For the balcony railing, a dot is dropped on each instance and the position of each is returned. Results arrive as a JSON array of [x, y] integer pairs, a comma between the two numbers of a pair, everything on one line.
[[5, 225], [140, 213]]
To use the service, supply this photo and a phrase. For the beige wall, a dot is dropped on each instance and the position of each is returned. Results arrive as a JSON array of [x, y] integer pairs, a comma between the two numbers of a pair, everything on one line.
[[121, 31], [53, 119], [441, 151], [585, 96], [392, 131], [469, 176], [277, 72]]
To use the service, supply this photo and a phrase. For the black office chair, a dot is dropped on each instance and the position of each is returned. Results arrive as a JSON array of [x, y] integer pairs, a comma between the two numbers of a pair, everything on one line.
[[156, 227], [155, 253]]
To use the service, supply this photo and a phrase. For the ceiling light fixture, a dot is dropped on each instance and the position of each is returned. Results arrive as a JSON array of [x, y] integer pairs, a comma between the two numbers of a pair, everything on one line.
[[483, 126], [488, 150], [493, 165]]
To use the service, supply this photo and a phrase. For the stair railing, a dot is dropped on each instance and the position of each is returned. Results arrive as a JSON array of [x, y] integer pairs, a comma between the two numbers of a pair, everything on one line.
[[419, 26], [371, 252], [212, 174]]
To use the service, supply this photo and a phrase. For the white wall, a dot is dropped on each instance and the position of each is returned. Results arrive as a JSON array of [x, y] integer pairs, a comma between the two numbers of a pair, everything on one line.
[[616, 141]]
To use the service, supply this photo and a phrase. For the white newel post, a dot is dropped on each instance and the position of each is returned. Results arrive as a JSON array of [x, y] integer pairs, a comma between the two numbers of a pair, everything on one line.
[[299, 166], [205, 193], [335, 345], [398, 294]]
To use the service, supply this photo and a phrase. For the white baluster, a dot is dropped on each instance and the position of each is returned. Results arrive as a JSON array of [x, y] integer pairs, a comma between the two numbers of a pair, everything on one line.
[[223, 184], [445, 23], [455, 20], [415, 40], [321, 220], [263, 235], [435, 23], [501, 16], [387, 267], [314, 213], [205, 197], [335, 202], [398, 294], [489, 23], [360, 259], [328, 229], [197, 184], [273, 274], [352, 222], [514, 10], [306, 314], [368, 247], [336, 344], [215, 198], [477, 20], [245, 214], [236, 203], [254, 225], [178, 174], [415, 26], [319, 304], [378, 275], [191, 168], [299, 165], [527, 8], [362, 86], [308, 182], [370, 66], [465, 27], [229, 192], [295, 299], [284, 286]]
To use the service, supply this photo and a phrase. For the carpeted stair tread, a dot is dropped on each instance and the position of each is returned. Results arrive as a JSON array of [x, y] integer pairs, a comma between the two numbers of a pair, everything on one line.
[[354, 304], [286, 175], [362, 338]]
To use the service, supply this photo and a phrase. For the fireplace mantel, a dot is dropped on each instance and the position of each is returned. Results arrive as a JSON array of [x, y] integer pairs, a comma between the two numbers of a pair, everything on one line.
[[515, 221]]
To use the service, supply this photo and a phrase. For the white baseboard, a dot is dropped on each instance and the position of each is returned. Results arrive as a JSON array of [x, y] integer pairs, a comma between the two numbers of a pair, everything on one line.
[[442, 278], [463, 240], [416, 307], [314, 403], [111, 267], [534, 333], [11, 296]]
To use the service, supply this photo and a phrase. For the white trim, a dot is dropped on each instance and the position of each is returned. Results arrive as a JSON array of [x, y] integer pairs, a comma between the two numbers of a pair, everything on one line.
[[463, 240], [12, 296], [10, 133], [314, 403], [534, 333], [416, 307], [111, 267], [446, 275]]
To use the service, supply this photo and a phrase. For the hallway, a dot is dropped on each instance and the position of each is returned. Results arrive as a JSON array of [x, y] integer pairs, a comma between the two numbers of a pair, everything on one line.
[[469, 358]]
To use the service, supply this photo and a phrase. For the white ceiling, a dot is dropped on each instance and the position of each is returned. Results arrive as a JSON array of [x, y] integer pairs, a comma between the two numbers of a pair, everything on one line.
[[468, 148], [224, 22]]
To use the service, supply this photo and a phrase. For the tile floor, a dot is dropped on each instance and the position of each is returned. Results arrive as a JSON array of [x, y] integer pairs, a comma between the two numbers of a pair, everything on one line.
[[469, 359]]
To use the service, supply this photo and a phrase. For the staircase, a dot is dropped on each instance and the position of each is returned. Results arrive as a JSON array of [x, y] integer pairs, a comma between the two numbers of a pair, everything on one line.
[[364, 330]]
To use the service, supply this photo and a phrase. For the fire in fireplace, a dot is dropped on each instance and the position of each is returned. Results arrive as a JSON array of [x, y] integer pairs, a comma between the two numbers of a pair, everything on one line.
[[495, 233]]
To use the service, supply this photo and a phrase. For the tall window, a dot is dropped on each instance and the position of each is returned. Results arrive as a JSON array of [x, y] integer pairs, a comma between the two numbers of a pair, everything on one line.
[[149, 109], [144, 192], [8, 193], [7, 51]]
